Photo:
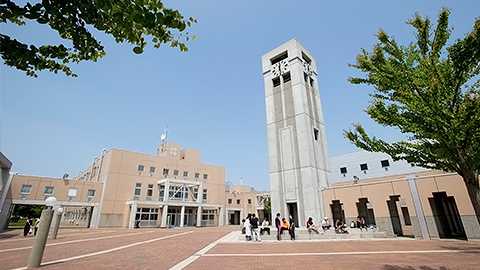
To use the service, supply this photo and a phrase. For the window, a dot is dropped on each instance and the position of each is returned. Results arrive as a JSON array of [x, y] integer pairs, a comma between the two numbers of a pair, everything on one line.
[[311, 82], [197, 175], [26, 189], [149, 192], [343, 170], [208, 215], [161, 193], [48, 191], [152, 170], [238, 201], [175, 173], [195, 193], [205, 176], [138, 190], [204, 194], [363, 167], [286, 77], [279, 57], [72, 192], [229, 201], [385, 163], [141, 168], [185, 174], [165, 171], [276, 82], [249, 201], [412, 164], [91, 193], [315, 134]]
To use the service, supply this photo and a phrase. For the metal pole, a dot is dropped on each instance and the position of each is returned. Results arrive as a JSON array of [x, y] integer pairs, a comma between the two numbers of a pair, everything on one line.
[[40, 239]]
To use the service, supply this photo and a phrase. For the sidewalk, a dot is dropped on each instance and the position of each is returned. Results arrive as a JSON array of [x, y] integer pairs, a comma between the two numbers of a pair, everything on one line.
[[221, 248]]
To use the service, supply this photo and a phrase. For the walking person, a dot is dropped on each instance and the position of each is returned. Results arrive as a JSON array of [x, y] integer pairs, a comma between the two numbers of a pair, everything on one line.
[[26, 229], [255, 229], [248, 228], [35, 227], [278, 224]]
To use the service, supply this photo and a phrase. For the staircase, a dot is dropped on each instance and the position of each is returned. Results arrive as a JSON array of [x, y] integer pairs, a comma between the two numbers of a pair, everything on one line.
[[302, 234]]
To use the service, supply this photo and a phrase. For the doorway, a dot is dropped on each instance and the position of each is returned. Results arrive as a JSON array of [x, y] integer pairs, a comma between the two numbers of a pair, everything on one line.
[[365, 209], [292, 210], [446, 215], [394, 215]]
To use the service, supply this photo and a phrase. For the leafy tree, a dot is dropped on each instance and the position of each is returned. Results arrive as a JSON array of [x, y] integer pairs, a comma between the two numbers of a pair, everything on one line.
[[28, 211], [126, 20], [430, 93], [267, 207]]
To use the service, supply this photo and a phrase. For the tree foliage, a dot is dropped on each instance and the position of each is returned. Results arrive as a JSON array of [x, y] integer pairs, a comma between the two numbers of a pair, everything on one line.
[[28, 211], [126, 20], [431, 93]]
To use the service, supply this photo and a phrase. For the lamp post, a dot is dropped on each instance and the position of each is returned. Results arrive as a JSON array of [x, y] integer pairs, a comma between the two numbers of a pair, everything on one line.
[[38, 247], [56, 225]]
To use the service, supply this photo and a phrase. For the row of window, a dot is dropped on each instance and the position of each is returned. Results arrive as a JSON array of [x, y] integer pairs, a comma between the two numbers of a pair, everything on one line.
[[364, 167], [175, 193], [141, 169], [287, 77], [48, 191], [249, 201]]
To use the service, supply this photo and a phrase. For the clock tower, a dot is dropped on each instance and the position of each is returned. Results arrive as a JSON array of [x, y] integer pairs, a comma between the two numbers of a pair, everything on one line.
[[297, 147]]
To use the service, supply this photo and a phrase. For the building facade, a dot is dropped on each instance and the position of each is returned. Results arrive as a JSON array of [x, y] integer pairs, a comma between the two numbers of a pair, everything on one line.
[[243, 200], [172, 188], [399, 198], [297, 148]]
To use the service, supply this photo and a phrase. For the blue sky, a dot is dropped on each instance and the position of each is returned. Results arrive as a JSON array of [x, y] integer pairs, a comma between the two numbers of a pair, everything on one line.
[[212, 97]]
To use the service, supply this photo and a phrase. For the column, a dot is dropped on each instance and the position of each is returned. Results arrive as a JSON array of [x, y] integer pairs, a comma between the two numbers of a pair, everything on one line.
[[133, 212], [166, 193], [222, 216], [182, 216], [164, 216], [200, 193], [199, 216], [418, 206]]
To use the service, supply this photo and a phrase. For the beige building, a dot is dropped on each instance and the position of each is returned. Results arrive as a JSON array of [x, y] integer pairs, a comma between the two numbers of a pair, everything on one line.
[[121, 187], [399, 198], [243, 200]]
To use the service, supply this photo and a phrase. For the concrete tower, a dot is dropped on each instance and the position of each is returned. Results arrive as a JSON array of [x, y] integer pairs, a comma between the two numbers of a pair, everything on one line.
[[297, 147]]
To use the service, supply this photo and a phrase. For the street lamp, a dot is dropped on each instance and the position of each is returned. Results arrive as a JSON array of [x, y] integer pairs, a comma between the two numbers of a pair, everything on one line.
[[56, 225], [41, 239]]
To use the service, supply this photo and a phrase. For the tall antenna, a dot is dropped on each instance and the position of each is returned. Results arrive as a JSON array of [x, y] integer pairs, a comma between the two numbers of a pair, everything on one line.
[[163, 137]]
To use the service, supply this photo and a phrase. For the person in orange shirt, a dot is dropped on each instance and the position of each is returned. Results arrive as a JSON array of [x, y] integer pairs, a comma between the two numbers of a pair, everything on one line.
[[285, 225]]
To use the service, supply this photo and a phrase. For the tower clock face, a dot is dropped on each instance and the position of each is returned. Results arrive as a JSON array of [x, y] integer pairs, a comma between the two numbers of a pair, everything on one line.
[[307, 68], [280, 67]]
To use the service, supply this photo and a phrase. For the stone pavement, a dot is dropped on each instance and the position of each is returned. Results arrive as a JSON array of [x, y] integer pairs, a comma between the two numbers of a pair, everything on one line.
[[222, 248]]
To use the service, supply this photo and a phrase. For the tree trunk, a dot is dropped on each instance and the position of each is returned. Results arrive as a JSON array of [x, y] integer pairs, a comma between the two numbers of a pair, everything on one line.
[[473, 188]]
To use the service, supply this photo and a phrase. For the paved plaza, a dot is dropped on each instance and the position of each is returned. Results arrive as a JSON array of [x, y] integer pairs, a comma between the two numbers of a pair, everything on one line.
[[222, 248]]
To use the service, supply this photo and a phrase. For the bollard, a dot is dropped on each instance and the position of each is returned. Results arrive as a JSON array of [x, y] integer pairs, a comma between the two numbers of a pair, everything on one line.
[[38, 248]]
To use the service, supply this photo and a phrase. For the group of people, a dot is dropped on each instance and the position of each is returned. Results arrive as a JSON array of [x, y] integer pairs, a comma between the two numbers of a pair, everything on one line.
[[250, 228], [284, 225], [28, 228]]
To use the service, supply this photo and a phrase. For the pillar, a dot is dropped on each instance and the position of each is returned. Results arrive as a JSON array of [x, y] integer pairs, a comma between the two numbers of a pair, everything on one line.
[[199, 216], [164, 216], [133, 212], [418, 206], [182, 216]]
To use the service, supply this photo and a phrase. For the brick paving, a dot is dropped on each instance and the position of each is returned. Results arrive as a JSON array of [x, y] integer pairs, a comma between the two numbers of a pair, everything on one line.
[[151, 248]]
